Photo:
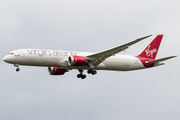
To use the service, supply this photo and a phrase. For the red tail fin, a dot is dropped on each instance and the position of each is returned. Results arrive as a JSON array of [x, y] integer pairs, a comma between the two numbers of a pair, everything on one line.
[[151, 50]]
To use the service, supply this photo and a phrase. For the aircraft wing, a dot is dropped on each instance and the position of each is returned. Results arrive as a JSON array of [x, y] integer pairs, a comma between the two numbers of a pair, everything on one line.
[[97, 58], [160, 60]]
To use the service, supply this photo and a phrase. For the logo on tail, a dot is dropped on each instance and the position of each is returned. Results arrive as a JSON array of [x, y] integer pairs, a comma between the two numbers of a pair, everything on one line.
[[150, 52], [152, 49]]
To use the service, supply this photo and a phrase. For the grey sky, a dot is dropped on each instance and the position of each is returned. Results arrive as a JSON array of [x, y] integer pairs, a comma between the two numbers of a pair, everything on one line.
[[89, 26]]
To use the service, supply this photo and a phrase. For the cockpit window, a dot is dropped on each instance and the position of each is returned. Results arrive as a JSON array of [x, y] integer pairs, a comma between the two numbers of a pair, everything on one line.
[[10, 53]]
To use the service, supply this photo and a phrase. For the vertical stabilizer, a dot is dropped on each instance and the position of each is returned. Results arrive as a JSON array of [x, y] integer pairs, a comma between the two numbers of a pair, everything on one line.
[[151, 50]]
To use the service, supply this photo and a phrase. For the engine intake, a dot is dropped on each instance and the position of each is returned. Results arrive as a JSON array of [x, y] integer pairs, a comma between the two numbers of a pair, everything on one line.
[[77, 61], [56, 71]]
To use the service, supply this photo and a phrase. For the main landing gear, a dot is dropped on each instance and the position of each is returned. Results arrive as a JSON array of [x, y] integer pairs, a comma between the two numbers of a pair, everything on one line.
[[17, 69], [91, 71], [83, 76]]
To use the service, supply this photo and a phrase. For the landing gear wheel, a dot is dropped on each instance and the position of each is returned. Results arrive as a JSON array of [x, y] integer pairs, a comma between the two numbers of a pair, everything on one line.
[[83, 76], [79, 75], [89, 71], [93, 72], [17, 69]]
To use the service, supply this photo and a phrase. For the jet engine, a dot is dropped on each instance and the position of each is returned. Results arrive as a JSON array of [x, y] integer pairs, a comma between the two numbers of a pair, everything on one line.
[[56, 71], [77, 61]]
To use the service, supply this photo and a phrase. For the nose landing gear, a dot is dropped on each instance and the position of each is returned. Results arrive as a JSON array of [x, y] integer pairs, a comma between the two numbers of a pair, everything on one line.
[[17, 69]]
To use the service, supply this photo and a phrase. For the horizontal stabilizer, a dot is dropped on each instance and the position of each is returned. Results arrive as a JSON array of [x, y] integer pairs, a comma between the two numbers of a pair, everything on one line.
[[162, 59]]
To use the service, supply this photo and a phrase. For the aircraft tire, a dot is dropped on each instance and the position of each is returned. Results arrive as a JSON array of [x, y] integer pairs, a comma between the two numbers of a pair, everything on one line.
[[79, 75], [17, 69], [83, 76], [94, 72]]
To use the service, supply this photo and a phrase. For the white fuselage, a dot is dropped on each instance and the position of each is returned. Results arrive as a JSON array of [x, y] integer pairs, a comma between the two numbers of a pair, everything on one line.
[[60, 62], [59, 58]]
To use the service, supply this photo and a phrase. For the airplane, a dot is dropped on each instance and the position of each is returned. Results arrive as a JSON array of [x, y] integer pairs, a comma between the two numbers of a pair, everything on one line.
[[60, 62]]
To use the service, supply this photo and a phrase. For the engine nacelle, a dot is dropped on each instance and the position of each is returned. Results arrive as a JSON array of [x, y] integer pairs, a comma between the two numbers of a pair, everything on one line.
[[77, 61], [56, 71]]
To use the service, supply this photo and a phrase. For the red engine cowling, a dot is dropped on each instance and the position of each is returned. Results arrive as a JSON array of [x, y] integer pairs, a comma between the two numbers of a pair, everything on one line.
[[77, 61], [56, 71]]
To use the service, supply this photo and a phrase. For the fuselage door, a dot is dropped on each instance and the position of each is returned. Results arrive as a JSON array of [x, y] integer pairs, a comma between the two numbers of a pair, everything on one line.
[[22, 54], [135, 61]]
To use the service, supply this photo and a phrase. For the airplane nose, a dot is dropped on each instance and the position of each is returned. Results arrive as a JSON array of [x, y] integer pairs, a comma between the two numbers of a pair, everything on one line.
[[5, 59]]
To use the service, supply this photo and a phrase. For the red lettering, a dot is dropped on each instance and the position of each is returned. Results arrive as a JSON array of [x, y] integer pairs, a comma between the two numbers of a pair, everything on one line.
[[55, 53], [30, 52]]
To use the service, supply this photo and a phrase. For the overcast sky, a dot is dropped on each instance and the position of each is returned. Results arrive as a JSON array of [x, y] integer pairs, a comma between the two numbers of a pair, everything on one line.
[[90, 26]]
